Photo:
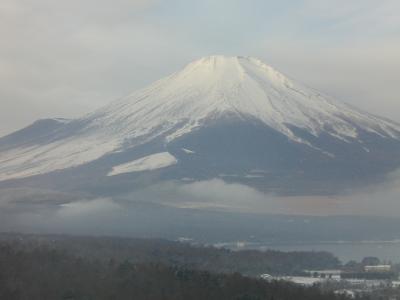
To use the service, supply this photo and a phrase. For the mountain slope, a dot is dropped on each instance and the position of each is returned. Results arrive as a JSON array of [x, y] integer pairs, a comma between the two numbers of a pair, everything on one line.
[[218, 117]]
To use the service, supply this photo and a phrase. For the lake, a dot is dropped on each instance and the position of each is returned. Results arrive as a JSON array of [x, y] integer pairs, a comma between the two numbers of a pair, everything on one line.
[[345, 251]]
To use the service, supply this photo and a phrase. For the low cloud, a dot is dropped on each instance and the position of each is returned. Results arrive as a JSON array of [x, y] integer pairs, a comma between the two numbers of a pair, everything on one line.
[[375, 200], [84, 209], [170, 209]]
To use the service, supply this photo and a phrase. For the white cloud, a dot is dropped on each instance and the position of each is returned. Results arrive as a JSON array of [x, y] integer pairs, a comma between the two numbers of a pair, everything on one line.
[[379, 199], [357, 16], [145, 210], [97, 207]]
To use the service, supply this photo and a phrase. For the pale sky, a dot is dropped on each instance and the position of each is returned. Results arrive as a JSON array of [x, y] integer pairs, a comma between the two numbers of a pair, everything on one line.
[[65, 58]]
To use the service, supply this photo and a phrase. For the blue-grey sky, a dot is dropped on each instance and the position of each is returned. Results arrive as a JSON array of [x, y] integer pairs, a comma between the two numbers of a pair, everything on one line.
[[64, 58]]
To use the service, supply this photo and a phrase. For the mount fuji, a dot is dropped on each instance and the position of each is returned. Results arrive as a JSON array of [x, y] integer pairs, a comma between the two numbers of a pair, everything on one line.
[[233, 118]]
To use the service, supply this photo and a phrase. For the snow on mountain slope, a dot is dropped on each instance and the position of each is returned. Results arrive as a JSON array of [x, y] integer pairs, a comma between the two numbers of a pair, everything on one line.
[[147, 163], [205, 90], [241, 86]]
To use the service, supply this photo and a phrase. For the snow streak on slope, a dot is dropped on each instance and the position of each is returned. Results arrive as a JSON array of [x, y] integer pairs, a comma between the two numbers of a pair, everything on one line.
[[207, 89], [40, 159], [147, 163]]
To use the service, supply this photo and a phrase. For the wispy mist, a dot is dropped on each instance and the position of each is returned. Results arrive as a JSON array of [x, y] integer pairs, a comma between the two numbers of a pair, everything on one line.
[[173, 209]]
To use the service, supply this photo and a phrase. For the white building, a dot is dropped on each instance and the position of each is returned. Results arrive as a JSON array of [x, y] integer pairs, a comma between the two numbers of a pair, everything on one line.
[[396, 284], [304, 281], [346, 292], [266, 277], [332, 274], [378, 268]]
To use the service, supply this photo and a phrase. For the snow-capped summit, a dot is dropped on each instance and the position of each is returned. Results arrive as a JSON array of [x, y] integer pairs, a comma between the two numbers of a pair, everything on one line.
[[241, 86], [239, 97]]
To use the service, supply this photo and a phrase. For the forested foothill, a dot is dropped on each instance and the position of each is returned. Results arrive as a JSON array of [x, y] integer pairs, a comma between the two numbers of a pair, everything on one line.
[[173, 253], [59, 267]]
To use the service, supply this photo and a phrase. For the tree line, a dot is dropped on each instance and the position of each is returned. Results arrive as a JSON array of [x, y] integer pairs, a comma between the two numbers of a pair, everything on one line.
[[198, 257], [46, 273]]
